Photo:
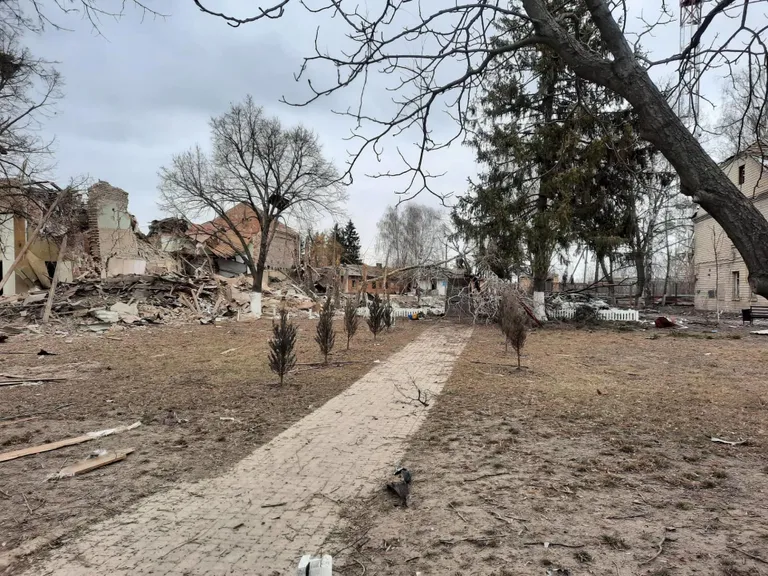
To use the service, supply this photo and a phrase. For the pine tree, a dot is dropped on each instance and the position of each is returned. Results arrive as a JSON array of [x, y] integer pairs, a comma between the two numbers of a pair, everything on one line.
[[281, 356], [376, 316], [351, 243], [557, 154], [351, 319], [326, 336]]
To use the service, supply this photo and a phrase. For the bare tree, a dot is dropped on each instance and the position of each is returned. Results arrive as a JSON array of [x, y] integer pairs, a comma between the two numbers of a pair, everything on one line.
[[37, 15], [437, 57], [744, 120], [411, 235], [271, 171], [717, 244]]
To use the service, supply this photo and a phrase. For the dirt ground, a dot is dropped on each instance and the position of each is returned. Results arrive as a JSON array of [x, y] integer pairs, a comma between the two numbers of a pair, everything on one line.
[[595, 459], [204, 395]]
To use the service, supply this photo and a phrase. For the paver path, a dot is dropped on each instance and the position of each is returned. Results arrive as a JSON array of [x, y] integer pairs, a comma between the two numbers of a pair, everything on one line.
[[231, 524]]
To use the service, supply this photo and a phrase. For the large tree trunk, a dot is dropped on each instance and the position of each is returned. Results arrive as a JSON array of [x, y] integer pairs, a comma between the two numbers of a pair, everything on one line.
[[640, 272], [261, 263]]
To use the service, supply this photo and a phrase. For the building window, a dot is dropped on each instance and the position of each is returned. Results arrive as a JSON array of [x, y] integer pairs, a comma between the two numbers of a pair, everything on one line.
[[373, 285], [735, 285], [354, 283], [742, 174]]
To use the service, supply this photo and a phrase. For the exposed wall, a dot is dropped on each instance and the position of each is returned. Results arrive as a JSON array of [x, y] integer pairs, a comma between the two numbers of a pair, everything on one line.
[[112, 238], [728, 289], [283, 251], [110, 227]]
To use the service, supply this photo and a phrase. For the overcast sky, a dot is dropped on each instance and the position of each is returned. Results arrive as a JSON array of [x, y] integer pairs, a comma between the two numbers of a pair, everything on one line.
[[145, 90]]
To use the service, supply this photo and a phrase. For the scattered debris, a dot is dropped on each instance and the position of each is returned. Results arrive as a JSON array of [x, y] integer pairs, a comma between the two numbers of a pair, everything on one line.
[[729, 442], [660, 546], [665, 322], [93, 463], [21, 381], [748, 555], [132, 300], [552, 544], [276, 505], [5, 456], [760, 332]]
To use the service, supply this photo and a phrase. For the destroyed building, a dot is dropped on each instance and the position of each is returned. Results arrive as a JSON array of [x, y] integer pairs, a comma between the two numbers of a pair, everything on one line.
[[22, 208], [103, 238], [222, 241]]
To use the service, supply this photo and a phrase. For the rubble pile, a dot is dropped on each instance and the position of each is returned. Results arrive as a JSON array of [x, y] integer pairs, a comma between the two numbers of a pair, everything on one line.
[[97, 304]]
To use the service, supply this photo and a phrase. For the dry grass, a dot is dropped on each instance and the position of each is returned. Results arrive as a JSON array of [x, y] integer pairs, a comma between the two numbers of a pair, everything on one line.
[[603, 442], [179, 384]]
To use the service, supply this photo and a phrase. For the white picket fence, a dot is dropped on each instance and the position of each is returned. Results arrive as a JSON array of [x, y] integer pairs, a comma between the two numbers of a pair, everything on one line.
[[614, 314], [399, 312]]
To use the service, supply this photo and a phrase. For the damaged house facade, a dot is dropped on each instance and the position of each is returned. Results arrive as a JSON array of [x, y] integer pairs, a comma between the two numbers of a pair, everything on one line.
[[721, 275], [103, 238], [219, 242]]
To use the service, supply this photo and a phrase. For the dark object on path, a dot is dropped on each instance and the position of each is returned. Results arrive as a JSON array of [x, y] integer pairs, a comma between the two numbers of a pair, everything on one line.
[[402, 488], [45, 353], [664, 322], [3, 337]]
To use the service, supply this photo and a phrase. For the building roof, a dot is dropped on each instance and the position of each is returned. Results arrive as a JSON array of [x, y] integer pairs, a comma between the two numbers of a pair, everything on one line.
[[757, 151], [220, 237]]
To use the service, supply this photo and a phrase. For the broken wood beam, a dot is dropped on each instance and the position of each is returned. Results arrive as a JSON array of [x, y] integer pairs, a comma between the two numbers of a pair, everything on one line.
[[93, 463], [6, 456], [54, 280], [27, 380]]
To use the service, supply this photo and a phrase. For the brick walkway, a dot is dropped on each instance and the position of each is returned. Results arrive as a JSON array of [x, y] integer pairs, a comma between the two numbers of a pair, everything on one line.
[[281, 501]]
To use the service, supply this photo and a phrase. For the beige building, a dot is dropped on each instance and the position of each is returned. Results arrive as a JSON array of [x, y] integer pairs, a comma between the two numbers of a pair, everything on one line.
[[721, 275]]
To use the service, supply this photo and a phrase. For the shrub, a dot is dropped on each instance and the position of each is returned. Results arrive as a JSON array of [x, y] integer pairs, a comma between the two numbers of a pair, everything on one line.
[[586, 315], [281, 345], [351, 319], [325, 336], [512, 321], [376, 316], [389, 316]]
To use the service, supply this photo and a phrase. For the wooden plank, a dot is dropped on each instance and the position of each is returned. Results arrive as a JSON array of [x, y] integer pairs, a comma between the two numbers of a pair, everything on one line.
[[29, 379], [5, 456], [18, 421], [94, 463]]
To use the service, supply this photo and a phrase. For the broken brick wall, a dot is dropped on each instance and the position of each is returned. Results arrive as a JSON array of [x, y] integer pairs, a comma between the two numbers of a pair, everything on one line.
[[111, 234]]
